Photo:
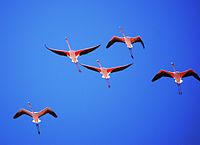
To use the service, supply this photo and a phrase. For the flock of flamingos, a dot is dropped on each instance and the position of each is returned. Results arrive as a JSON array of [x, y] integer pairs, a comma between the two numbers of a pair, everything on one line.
[[74, 54]]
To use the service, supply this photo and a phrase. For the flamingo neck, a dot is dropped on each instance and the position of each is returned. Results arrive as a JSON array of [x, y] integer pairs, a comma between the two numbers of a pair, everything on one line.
[[30, 106], [121, 30], [99, 64], [173, 67], [68, 44]]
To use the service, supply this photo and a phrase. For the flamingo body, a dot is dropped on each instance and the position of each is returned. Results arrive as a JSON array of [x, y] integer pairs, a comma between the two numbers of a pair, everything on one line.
[[128, 42], [105, 73], [73, 56]]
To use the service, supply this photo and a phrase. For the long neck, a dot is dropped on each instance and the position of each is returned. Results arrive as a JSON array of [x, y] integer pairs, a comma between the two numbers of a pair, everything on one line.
[[98, 61], [30, 106], [121, 30], [173, 66], [68, 44]]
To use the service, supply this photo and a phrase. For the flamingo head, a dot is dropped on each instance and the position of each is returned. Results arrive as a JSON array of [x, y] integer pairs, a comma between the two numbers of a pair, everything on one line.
[[172, 63]]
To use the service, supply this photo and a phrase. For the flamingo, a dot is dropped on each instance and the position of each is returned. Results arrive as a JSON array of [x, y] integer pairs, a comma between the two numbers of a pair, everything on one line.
[[176, 75], [127, 40], [106, 71], [73, 54], [35, 115]]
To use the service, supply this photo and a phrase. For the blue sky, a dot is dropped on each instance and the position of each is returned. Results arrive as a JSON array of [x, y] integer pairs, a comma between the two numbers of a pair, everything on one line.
[[134, 111]]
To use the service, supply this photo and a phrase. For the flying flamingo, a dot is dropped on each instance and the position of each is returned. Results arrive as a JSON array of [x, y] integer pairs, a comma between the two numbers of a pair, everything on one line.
[[127, 40], [176, 75], [106, 71], [73, 54], [35, 115]]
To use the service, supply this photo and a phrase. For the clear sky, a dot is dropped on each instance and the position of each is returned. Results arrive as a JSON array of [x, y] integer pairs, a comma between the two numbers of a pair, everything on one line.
[[134, 111]]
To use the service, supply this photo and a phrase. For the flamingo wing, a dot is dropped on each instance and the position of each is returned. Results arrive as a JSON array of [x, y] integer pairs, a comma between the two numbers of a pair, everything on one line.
[[137, 39], [118, 68], [188, 73], [91, 67], [115, 39], [22, 112], [162, 73], [59, 52], [86, 50], [45, 111]]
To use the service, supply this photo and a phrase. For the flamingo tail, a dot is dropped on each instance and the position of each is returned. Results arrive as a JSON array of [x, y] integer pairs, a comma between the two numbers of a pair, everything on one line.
[[108, 83], [79, 70], [38, 129]]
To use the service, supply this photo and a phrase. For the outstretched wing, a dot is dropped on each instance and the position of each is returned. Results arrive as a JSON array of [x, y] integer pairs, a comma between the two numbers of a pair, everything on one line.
[[91, 67], [188, 73], [118, 68], [59, 52], [86, 50], [47, 110], [162, 73], [22, 112], [115, 39], [137, 39]]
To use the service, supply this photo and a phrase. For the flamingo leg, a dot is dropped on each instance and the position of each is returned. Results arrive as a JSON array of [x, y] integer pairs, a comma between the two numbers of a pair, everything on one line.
[[108, 83], [179, 89], [79, 70], [38, 129], [131, 52]]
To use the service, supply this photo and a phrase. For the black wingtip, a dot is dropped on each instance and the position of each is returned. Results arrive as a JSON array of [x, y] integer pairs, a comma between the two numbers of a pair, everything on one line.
[[46, 46], [56, 116], [143, 44], [107, 46], [154, 79], [15, 116]]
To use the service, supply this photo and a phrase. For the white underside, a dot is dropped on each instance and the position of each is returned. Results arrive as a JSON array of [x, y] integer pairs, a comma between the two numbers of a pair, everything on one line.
[[105, 77], [75, 61], [179, 82], [36, 122], [130, 46]]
